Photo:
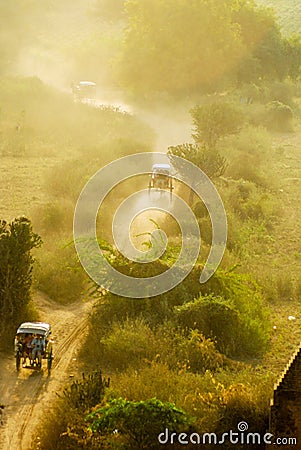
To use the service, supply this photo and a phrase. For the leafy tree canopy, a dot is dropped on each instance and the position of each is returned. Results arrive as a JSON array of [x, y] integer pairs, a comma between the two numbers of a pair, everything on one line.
[[183, 47]]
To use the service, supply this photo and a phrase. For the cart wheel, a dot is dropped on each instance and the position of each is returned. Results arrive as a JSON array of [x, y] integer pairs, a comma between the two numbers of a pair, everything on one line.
[[18, 361], [49, 362]]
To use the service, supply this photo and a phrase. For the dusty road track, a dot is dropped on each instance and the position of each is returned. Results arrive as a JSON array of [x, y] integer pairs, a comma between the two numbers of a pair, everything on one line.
[[27, 395]]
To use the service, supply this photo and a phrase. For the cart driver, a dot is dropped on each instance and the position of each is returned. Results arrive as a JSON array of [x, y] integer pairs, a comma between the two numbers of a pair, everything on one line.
[[27, 344], [38, 346]]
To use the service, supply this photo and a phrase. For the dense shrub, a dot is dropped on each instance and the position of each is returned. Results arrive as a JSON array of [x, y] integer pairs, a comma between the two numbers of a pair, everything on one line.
[[134, 344], [207, 397], [204, 157], [213, 121], [86, 393], [54, 218], [281, 91], [59, 273], [64, 425], [153, 310], [215, 319], [248, 154], [249, 201], [137, 424], [226, 294], [127, 344], [279, 116]]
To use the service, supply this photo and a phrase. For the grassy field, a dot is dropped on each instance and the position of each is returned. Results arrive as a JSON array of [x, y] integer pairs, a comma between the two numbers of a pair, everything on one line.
[[45, 160], [24, 191]]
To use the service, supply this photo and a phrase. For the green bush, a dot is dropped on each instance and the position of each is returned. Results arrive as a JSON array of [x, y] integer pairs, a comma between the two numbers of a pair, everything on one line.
[[248, 154], [134, 344], [215, 120], [64, 425], [54, 218], [279, 116], [201, 353], [203, 156], [59, 273], [250, 201], [214, 318], [249, 238], [137, 424], [230, 310], [281, 91], [127, 344], [153, 310], [85, 394], [208, 397]]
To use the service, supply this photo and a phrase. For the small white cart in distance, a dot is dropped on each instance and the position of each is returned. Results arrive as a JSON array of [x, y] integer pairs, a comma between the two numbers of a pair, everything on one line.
[[161, 178]]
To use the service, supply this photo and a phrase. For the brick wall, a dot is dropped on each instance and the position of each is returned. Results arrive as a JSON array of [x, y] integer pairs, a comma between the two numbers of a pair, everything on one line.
[[285, 413]]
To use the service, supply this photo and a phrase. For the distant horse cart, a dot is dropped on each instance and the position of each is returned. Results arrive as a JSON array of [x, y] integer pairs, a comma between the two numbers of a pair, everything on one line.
[[161, 178], [33, 344], [84, 91]]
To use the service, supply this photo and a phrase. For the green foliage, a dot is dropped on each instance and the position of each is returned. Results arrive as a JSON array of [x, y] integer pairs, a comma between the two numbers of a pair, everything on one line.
[[283, 92], [207, 397], [215, 120], [140, 422], [127, 344], [240, 299], [249, 201], [216, 319], [248, 155], [17, 240], [268, 55], [153, 310], [203, 49], [85, 394], [134, 344], [59, 273], [214, 401], [201, 354], [280, 116], [194, 42], [209, 160], [64, 425]]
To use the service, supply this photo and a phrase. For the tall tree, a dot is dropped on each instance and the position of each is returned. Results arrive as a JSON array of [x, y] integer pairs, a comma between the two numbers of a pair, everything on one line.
[[184, 47], [16, 263], [177, 46]]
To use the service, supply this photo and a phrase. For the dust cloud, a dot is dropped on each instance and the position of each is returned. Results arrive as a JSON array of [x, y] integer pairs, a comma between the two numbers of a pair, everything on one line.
[[65, 42]]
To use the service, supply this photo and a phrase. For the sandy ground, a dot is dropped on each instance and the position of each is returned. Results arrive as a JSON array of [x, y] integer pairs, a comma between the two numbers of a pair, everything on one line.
[[27, 394]]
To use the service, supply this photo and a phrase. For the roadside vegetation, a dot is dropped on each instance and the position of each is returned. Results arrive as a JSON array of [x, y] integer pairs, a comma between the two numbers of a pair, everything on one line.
[[199, 358]]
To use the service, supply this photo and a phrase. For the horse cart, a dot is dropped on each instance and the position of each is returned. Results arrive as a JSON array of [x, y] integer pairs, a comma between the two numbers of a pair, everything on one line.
[[33, 344], [161, 178]]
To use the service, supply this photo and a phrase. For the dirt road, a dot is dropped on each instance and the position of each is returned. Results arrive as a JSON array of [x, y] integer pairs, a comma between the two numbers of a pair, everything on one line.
[[27, 395]]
